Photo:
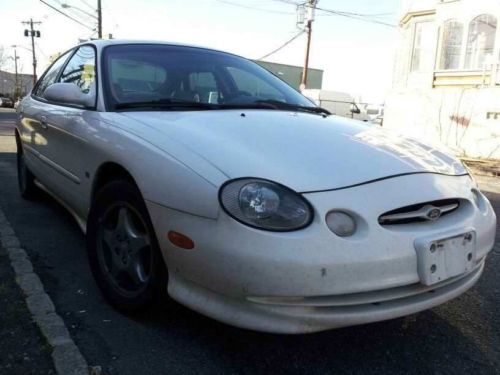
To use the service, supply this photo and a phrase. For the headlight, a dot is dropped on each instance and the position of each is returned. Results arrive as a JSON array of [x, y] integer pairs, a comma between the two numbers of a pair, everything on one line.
[[265, 205]]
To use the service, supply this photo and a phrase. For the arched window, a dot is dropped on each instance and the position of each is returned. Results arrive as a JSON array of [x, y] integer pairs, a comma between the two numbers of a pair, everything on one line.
[[451, 48], [481, 41]]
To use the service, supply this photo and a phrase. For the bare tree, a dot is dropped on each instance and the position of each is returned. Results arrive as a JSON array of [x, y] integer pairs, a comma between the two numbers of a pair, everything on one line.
[[3, 57]]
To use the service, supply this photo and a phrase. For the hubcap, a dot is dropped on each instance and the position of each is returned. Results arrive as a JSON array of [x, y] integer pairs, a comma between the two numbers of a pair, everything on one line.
[[124, 249]]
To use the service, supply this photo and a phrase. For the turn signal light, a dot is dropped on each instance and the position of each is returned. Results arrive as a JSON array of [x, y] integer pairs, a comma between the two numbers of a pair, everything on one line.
[[180, 240]]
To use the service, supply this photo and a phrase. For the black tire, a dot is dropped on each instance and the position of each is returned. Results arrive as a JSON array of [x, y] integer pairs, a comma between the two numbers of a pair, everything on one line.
[[25, 179], [118, 195]]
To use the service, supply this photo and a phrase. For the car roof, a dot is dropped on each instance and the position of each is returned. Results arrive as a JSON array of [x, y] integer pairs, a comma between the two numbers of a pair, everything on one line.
[[101, 43]]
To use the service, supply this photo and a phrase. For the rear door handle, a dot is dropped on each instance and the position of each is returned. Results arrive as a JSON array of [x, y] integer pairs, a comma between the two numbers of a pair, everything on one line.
[[43, 122]]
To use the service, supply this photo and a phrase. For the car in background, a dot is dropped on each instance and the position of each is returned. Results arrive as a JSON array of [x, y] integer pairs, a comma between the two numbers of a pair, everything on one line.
[[375, 113], [337, 103], [199, 173], [6, 102], [17, 102]]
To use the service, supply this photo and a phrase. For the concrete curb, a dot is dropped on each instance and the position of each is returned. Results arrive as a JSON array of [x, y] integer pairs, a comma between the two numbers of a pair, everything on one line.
[[65, 354]]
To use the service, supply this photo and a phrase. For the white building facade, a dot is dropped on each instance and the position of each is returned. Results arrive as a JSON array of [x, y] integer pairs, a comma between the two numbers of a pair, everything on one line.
[[446, 84]]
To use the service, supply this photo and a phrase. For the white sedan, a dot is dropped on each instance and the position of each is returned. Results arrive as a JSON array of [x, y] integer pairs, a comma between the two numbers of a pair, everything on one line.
[[199, 172]]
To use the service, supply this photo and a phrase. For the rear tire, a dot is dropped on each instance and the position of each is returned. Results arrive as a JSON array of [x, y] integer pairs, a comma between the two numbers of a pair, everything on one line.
[[25, 179], [123, 251]]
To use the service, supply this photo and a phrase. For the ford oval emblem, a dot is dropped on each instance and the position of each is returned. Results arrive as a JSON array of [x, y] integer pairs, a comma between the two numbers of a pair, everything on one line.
[[433, 214]]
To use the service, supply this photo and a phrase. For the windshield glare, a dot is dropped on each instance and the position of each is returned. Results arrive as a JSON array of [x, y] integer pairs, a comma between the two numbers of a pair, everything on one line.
[[144, 73]]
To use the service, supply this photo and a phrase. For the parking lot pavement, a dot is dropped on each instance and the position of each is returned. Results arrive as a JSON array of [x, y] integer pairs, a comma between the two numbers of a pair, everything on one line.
[[460, 337], [7, 117]]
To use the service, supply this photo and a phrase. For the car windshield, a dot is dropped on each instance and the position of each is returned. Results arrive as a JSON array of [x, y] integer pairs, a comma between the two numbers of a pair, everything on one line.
[[179, 78]]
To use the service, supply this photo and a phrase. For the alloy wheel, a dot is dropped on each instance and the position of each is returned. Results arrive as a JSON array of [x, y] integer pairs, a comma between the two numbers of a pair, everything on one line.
[[124, 249]]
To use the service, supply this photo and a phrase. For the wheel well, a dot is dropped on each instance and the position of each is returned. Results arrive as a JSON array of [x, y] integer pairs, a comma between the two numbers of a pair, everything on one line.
[[109, 172]]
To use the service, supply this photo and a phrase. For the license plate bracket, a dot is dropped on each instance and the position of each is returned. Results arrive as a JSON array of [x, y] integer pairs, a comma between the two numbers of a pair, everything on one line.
[[443, 258]]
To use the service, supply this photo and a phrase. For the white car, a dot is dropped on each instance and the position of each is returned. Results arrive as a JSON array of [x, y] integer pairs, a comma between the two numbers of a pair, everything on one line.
[[199, 172]]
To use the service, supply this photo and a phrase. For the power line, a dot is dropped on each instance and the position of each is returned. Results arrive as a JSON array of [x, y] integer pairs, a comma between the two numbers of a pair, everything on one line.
[[39, 49], [253, 8], [366, 17], [66, 15], [87, 4], [356, 16], [289, 2], [282, 46]]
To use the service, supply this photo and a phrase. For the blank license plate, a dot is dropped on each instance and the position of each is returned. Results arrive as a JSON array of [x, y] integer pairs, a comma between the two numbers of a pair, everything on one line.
[[441, 259]]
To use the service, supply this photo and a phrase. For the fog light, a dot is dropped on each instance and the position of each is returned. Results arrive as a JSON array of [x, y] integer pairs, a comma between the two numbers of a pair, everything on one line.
[[341, 223]]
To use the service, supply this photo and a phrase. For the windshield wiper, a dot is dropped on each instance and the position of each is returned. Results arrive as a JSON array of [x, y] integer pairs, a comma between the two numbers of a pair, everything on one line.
[[282, 105], [251, 105], [172, 104], [166, 104]]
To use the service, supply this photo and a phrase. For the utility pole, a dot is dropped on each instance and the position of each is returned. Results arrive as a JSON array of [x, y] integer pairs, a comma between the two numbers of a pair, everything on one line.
[[310, 8], [33, 33], [99, 19], [16, 90]]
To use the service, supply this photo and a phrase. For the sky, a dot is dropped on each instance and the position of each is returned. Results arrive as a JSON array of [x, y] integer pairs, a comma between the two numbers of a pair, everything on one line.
[[356, 56]]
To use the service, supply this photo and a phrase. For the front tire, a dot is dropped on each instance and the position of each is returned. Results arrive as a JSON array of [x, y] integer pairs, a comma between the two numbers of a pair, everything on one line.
[[123, 251], [25, 179]]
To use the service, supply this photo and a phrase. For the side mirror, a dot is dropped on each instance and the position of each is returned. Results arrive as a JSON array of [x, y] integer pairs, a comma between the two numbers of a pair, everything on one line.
[[69, 93], [355, 110]]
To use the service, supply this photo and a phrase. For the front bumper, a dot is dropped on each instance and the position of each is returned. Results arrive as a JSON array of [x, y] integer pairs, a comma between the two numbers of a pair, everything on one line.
[[237, 274], [303, 316]]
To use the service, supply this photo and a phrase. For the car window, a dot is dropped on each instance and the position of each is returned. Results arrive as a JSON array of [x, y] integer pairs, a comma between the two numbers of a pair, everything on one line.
[[205, 85], [80, 70], [147, 73], [132, 76], [250, 85], [50, 75]]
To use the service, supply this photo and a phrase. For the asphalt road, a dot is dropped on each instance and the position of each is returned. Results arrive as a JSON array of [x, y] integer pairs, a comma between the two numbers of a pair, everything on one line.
[[7, 116], [460, 337]]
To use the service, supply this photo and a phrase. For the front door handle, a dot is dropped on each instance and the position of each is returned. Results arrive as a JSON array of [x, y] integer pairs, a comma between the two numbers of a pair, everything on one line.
[[43, 122]]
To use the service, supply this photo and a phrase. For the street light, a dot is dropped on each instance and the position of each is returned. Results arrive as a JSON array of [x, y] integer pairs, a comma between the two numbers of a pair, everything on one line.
[[98, 18], [67, 6]]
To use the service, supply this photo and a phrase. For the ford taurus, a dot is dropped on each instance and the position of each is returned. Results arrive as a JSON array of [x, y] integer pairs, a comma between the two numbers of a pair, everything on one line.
[[199, 173]]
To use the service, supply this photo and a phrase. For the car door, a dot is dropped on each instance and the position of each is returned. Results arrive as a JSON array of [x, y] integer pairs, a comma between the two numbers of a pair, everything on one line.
[[32, 121], [68, 128]]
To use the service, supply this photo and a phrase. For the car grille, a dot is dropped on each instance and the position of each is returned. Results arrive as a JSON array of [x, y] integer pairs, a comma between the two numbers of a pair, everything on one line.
[[419, 213]]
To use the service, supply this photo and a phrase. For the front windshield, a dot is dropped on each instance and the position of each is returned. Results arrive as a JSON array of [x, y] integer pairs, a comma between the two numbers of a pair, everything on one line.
[[142, 73]]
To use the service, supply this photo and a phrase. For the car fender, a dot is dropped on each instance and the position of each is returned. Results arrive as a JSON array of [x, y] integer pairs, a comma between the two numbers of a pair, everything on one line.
[[176, 178]]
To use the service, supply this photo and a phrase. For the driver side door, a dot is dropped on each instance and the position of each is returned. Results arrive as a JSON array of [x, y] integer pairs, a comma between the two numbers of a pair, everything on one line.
[[68, 129]]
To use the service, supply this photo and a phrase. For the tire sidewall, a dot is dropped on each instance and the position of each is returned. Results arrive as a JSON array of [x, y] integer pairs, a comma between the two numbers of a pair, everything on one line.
[[124, 191]]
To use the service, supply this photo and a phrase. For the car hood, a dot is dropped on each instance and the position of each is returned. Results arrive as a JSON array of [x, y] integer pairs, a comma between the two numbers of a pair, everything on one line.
[[305, 152]]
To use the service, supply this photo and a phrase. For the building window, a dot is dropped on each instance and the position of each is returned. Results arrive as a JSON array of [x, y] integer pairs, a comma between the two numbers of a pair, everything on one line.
[[422, 57], [481, 41], [451, 49]]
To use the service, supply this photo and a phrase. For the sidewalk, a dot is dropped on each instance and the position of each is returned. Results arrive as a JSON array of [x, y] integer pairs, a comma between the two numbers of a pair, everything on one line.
[[23, 348]]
